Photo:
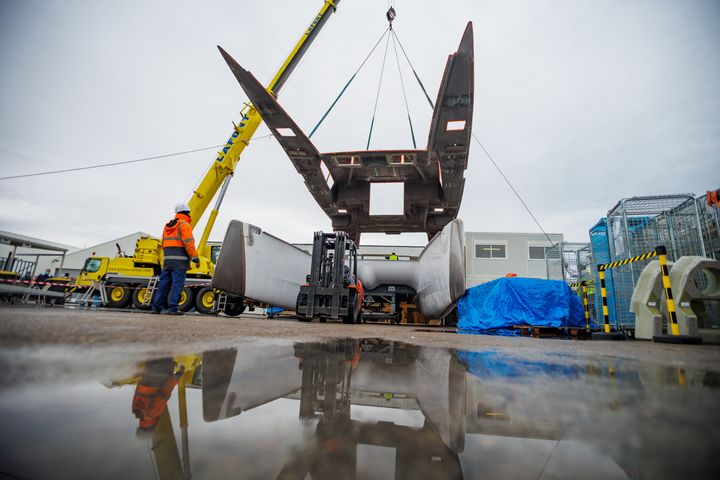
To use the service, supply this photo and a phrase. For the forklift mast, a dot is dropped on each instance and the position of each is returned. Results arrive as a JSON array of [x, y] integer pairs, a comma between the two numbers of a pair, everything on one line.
[[331, 290]]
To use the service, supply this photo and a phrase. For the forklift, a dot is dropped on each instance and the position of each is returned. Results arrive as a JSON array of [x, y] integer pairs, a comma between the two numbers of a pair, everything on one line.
[[333, 290]]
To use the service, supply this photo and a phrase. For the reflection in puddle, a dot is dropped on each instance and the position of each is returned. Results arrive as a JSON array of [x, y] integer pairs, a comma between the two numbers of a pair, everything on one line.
[[367, 409]]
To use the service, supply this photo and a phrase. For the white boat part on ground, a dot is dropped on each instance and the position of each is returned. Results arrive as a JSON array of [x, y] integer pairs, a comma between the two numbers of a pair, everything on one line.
[[259, 266]]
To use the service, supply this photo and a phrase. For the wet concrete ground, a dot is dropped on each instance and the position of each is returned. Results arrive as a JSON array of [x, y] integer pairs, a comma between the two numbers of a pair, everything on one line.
[[84, 394]]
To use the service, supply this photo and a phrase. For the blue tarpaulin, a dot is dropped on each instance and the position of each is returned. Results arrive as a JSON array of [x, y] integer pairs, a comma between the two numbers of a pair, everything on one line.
[[493, 308], [491, 365]]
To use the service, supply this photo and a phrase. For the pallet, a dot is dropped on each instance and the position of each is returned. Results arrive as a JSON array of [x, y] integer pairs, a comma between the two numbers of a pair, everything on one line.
[[553, 332]]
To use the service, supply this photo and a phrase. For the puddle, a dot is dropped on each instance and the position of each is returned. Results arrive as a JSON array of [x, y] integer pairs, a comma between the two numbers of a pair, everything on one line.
[[366, 409]]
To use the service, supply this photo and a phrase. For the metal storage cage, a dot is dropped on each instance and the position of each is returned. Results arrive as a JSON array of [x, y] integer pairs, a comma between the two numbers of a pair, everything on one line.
[[639, 224], [570, 262], [710, 226], [587, 274], [600, 246]]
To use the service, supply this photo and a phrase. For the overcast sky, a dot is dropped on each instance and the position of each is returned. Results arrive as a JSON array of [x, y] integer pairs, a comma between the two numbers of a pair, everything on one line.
[[581, 103]]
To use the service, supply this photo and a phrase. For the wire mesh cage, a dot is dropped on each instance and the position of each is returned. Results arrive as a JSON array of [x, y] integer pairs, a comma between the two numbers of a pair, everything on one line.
[[710, 226], [572, 263], [565, 262], [638, 225], [600, 247], [587, 275]]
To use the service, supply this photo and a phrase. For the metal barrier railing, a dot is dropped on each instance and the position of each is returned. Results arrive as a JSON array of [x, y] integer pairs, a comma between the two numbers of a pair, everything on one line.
[[661, 253]]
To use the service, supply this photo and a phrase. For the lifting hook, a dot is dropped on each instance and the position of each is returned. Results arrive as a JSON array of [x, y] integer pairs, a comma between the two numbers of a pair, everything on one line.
[[391, 16]]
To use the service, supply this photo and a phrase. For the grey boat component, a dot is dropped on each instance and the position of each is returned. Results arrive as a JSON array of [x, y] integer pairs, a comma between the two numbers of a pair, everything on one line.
[[647, 301], [437, 276], [431, 380], [690, 296], [433, 178], [259, 266], [258, 374]]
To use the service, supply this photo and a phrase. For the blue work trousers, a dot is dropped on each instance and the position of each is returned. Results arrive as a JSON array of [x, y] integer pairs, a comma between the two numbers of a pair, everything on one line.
[[172, 282]]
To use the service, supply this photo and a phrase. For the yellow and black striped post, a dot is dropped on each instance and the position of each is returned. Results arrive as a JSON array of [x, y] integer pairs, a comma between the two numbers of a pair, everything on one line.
[[607, 266], [585, 304], [661, 252], [603, 293]]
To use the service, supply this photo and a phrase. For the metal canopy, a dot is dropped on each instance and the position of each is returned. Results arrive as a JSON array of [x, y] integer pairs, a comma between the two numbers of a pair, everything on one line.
[[15, 240], [340, 181]]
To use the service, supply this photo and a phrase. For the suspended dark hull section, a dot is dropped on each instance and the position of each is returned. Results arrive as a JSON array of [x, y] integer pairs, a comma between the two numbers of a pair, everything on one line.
[[433, 178]]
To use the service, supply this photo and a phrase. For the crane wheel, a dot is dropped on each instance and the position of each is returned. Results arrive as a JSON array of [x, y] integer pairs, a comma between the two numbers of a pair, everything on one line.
[[118, 295], [205, 301], [186, 300], [139, 296]]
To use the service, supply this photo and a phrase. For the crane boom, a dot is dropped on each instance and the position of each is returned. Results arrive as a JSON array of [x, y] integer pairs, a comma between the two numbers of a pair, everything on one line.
[[224, 164], [128, 279]]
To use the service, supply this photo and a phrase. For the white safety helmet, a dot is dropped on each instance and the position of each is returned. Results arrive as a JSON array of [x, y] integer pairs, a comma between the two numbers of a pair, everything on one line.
[[182, 207]]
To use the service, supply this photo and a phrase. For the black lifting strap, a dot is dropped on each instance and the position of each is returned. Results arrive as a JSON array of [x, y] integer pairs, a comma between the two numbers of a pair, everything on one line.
[[422, 87], [390, 15], [377, 96], [342, 92], [402, 84]]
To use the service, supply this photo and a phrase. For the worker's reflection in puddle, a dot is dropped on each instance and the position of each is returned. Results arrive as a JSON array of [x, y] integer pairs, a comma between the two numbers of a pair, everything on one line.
[[154, 389], [155, 385]]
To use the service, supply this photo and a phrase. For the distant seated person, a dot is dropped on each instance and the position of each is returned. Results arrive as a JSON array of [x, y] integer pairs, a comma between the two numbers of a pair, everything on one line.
[[392, 256], [43, 277]]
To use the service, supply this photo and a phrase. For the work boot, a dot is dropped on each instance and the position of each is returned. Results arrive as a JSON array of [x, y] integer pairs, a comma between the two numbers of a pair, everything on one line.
[[155, 312], [176, 313]]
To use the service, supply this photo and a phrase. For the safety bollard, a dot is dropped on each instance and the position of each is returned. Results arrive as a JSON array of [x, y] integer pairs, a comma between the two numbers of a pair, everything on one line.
[[673, 335], [606, 334], [586, 306]]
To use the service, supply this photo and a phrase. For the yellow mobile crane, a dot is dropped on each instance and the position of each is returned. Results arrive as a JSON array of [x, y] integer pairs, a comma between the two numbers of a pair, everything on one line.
[[126, 280]]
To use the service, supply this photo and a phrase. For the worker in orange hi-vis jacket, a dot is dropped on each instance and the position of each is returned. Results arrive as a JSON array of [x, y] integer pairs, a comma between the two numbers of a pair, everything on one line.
[[153, 391], [178, 251]]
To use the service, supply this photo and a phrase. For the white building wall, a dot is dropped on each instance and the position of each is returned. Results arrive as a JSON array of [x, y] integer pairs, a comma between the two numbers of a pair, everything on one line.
[[75, 260], [516, 257]]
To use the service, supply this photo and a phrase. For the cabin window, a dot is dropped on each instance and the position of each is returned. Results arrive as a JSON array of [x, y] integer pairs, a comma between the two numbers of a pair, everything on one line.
[[490, 250], [536, 252]]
